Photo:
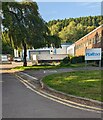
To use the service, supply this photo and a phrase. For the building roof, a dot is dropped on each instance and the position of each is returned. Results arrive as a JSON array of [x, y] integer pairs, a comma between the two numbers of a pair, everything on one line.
[[69, 43], [35, 50]]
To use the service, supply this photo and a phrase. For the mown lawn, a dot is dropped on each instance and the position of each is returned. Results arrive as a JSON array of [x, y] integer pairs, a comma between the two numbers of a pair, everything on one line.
[[37, 67], [79, 83], [34, 67]]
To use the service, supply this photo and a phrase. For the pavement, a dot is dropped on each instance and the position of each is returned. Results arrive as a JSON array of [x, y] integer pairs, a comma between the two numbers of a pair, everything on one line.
[[23, 98]]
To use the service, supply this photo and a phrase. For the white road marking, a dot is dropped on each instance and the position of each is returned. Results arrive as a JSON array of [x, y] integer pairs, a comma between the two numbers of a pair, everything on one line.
[[25, 81], [25, 84], [68, 101], [88, 108], [30, 84], [1, 82], [29, 75], [49, 71], [63, 102]]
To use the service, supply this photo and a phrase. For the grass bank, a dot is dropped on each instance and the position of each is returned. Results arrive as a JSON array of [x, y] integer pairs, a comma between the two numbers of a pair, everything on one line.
[[34, 67], [37, 67], [79, 83]]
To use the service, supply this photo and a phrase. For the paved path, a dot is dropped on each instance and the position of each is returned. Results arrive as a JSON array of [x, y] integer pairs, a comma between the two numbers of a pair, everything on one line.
[[5, 67]]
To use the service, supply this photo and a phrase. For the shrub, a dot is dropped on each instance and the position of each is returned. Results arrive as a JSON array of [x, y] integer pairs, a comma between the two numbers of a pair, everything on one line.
[[65, 61], [78, 59]]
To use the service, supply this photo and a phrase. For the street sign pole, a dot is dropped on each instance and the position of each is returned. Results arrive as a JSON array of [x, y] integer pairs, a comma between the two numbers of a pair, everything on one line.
[[100, 64], [85, 63]]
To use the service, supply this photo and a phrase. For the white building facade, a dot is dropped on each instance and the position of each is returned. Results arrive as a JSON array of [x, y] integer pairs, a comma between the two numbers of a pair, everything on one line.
[[49, 54], [71, 50]]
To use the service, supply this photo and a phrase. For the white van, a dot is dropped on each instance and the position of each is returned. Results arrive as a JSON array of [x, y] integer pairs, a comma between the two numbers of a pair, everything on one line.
[[4, 58]]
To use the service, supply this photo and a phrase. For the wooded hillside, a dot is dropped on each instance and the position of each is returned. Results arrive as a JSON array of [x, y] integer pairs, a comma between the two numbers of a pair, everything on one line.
[[72, 29]]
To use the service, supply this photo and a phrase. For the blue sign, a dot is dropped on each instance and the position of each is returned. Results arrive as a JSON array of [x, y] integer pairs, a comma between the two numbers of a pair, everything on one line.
[[93, 54]]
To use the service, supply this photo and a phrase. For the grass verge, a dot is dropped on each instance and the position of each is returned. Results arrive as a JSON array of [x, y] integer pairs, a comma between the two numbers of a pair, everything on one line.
[[79, 83], [34, 67], [37, 67]]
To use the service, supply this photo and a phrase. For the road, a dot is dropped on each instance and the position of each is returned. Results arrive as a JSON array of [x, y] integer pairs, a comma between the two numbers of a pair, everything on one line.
[[39, 74], [21, 102]]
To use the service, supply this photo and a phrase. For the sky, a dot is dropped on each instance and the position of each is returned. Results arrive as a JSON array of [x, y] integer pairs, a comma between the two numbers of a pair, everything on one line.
[[61, 10]]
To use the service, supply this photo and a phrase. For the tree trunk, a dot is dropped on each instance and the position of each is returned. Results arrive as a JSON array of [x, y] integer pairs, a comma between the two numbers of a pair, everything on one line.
[[25, 55]]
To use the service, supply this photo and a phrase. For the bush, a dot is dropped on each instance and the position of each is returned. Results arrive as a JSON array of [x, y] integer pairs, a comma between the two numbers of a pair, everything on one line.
[[65, 61], [78, 59]]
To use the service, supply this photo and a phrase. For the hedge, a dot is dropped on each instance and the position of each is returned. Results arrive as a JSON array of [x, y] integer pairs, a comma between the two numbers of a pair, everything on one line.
[[78, 59]]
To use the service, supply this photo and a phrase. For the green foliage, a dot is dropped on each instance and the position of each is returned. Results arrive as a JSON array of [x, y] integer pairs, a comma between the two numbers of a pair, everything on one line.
[[6, 49], [72, 29], [6, 46], [79, 59], [35, 67], [53, 40], [24, 25], [65, 61], [79, 83]]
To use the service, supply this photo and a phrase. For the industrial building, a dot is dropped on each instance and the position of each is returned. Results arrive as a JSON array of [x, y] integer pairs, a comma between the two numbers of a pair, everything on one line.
[[94, 39]]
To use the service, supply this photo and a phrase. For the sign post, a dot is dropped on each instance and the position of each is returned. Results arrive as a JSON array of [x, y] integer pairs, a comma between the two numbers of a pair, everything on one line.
[[100, 63], [85, 63], [93, 54]]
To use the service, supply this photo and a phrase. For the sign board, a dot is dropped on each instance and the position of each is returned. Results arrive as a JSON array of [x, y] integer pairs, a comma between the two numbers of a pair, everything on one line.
[[93, 54]]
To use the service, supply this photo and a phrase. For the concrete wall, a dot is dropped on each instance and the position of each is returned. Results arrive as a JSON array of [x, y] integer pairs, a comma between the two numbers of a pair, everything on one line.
[[51, 57], [62, 50], [49, 53], [71, 50], [16, 53]]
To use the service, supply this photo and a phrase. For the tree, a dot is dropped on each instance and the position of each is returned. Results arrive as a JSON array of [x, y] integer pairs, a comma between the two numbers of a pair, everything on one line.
[[53, 40], [6, 46], [24, 25], [72, 29]]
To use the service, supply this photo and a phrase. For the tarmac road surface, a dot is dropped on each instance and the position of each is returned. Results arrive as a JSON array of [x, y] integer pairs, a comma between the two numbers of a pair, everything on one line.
[[21, 102]]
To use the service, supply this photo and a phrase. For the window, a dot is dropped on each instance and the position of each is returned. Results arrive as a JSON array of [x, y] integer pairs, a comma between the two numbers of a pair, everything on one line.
[[90, 41], [102, 33], [86, 44], [96, 37], [99, 38], [94, 41]]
